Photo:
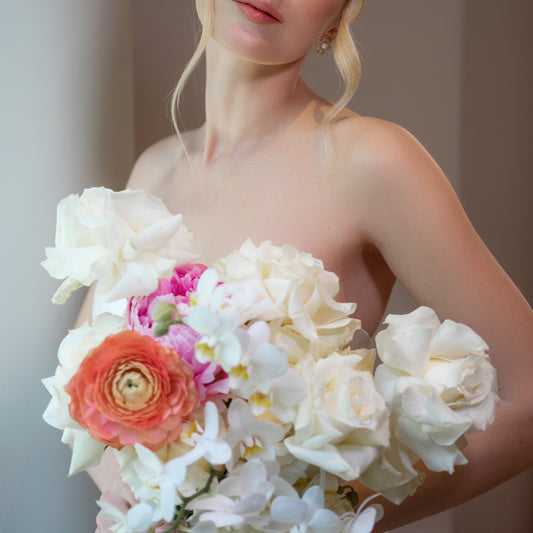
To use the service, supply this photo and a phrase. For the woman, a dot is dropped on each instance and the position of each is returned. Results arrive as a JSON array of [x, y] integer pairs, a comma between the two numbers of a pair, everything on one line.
[[274, 161]]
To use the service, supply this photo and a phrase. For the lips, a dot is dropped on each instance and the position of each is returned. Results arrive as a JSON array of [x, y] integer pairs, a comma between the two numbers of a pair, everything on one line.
[[259, 11]]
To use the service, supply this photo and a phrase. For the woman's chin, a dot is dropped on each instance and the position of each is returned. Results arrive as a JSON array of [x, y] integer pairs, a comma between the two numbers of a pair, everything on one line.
[[255, 48]]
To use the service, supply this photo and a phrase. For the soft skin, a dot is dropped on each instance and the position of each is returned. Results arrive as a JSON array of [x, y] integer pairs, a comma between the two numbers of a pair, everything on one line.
[[303, 23], [364, 196]]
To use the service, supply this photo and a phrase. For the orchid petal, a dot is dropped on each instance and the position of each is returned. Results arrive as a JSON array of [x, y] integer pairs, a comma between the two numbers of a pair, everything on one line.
[[364, 521], [324, 521], [288, 510]]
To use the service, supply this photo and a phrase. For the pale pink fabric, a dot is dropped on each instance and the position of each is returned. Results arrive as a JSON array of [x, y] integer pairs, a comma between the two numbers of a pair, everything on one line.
[[114, 491]]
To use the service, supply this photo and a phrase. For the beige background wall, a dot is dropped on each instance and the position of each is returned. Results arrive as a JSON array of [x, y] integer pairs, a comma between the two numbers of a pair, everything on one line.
[[66, 108], [496, 188], [497, 109], [84, 90]]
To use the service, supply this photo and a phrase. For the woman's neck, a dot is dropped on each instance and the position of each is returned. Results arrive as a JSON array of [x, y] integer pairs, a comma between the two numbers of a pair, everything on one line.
[[248, 104]]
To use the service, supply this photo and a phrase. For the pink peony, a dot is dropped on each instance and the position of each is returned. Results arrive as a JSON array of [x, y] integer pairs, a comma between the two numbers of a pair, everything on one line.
[[175, 290], [209, 378], [130, 389]]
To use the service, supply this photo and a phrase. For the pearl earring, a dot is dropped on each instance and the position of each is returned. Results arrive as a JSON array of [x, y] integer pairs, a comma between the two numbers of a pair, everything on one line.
[[323, 45]]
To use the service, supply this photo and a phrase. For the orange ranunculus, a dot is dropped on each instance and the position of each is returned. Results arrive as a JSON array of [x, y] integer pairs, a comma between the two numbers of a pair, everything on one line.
[[130, 389]]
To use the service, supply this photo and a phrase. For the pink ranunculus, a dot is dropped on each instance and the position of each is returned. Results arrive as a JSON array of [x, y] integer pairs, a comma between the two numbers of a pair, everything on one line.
[[132, 390], [209, 378]]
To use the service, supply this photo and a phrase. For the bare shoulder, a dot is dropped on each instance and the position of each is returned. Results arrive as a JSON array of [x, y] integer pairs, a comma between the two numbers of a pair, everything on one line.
[[159, 161], [382, 153], [154, 162], [389, 173]]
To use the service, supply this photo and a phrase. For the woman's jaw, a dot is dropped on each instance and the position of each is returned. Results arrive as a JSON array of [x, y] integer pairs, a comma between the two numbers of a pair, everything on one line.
[[273, 32]]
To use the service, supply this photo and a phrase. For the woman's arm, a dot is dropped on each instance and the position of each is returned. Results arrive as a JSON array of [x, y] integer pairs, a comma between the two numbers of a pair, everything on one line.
[[415, 219]]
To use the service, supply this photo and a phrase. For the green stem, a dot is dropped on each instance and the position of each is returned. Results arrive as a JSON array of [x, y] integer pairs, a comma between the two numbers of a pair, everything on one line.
[[182, 509]]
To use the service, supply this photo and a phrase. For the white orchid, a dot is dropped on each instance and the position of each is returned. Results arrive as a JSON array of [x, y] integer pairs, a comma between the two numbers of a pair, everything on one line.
[[250, 437], [219, 343], [217, 311], [241, 497], [206, 441], [196, 477], [241, 296], [158, 482], [263, 376], [260, 362], [305, 514], [125, 240], [364, 519], [286, 393], [217, 322], [137, 520], [210, 293]]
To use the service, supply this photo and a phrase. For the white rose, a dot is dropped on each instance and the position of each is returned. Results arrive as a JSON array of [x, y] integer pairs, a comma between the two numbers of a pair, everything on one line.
[[126, 240], [343, 422], [303, 316], [392, 474], [72, 350], [468, 386], [438, 382], [366, 358]]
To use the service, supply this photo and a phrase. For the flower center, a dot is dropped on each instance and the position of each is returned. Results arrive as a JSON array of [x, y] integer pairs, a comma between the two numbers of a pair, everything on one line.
[[132, 389], [261, 400], [240, 372], [205, 351], [251, 447]]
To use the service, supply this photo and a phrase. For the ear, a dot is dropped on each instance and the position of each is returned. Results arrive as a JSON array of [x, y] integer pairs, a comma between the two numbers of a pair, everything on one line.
[[330, 34], [333, 32]]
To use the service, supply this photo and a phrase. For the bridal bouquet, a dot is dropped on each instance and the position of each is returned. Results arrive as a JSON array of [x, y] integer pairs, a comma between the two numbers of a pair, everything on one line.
[[229, 395]]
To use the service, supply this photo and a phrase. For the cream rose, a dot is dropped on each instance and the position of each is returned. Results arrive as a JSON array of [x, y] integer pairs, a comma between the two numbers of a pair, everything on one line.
[[438, 381], [303, 316], [342, 424], [125, 240], [393, 474]]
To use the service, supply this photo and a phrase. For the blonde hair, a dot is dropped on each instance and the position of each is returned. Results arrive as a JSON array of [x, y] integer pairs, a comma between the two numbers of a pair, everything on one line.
[[206, 14], [346, 58], [344, 52]]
